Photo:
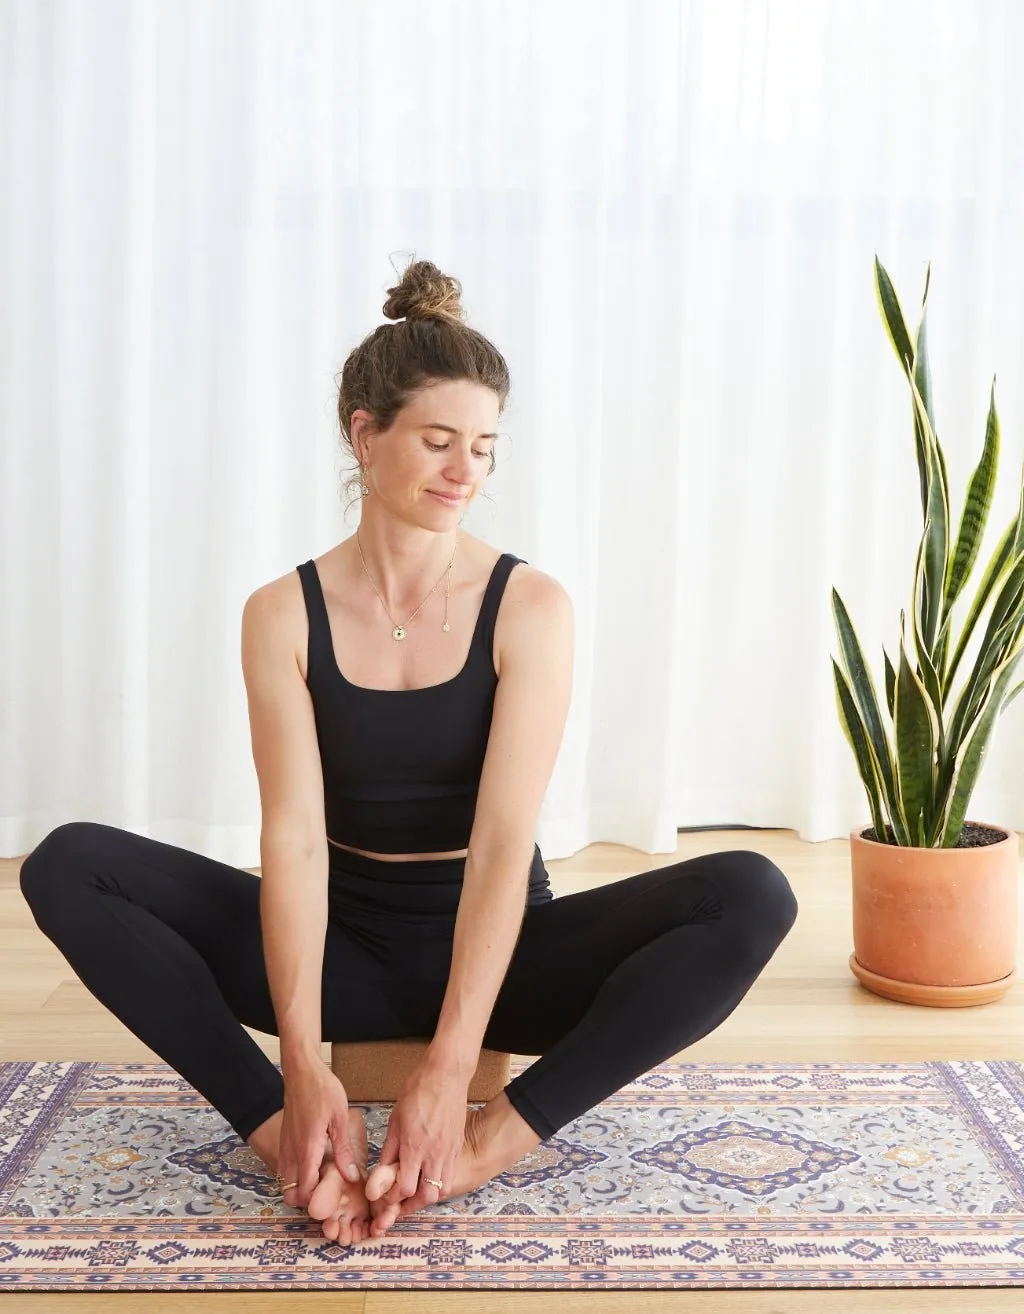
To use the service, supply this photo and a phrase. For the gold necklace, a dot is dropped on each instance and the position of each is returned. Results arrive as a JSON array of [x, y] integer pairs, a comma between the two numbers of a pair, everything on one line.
[[398, 632]]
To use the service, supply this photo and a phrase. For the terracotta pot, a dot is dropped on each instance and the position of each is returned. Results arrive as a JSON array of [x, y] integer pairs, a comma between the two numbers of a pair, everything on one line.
[[935, 926]]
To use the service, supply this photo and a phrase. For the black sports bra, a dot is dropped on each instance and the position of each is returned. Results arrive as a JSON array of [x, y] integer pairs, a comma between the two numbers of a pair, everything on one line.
[[401, 767]]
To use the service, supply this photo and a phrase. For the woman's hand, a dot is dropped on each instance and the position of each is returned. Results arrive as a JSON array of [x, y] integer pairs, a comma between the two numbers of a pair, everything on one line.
[[315, 1113], [426, 1133]]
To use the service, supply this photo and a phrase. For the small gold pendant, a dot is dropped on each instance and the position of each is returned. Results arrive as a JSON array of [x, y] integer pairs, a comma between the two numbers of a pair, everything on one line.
[[398, 633], [446, 627]]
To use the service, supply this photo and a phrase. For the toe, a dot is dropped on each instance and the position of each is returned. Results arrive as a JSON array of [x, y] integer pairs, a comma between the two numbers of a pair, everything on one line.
[[325, 1198], [381, 1180]]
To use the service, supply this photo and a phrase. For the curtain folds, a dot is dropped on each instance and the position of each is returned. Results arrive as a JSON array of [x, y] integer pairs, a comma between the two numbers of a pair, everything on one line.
[[665, 214]]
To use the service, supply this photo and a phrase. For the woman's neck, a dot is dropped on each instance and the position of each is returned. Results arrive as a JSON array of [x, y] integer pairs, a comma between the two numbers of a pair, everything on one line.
[[403, 561]]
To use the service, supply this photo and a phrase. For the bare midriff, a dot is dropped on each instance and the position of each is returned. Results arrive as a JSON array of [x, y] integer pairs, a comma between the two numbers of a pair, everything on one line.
[[398, 857]]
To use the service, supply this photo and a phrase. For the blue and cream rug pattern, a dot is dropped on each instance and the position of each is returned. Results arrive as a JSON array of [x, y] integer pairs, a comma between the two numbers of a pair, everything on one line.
[[693, 1176]]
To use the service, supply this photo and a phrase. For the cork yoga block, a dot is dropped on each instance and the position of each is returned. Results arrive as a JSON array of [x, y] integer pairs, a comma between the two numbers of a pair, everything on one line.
[[376, 1070]]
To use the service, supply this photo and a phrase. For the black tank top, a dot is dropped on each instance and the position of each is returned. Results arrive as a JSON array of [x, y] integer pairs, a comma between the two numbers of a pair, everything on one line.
[[401, 767]]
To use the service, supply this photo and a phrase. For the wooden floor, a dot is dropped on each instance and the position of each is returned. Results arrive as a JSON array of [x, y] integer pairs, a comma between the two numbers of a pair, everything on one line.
[[806, 1005]]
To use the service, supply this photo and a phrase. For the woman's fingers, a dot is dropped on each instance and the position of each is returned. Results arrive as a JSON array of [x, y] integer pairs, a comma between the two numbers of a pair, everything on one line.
[[310, 1176], [408, 1177], [288, 1171], [408, 1186], [391, 1207], [341, 1149]]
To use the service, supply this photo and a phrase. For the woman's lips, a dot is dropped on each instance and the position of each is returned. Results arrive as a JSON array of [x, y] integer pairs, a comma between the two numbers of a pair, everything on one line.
[[447, 501]]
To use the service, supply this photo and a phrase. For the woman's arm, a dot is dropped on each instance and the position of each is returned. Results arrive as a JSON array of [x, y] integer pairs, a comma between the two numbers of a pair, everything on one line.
[[293, 839], [531, 704], [293, 916]]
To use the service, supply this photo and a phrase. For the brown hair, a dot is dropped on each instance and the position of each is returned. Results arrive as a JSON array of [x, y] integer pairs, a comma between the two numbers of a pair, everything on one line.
[[431, 343]]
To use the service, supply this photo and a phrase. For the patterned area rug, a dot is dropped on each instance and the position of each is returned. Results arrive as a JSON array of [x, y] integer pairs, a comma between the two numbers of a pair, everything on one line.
[[695, 1175]]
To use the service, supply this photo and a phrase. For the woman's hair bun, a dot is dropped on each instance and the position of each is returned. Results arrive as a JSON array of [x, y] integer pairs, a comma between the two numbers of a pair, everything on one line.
[[425, 293]]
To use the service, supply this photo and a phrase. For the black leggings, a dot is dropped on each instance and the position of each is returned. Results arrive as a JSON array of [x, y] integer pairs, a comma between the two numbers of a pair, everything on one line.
[[603, 984]]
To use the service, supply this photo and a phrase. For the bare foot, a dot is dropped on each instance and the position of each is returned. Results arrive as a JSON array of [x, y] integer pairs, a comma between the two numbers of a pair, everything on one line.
[[383, 1178], [328, 1195], [341, 1205], [496, 1137]]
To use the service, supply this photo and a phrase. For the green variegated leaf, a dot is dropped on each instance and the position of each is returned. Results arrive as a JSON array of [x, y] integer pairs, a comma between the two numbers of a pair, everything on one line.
[[916, 731], [1018, 542], [942, 471], [1016, 626], [941, 650], [936, 542], [935, 832], [923, 379], [993, 573], [890, 682], [996, 644], [896, 327], [892, 316], [1014, 606], [853, 727], [976, 507], [972, 755], [922, 374], [862, 686], [928, 671]]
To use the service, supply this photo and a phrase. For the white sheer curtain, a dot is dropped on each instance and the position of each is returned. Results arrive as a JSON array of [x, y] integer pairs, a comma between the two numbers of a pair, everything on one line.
[[664, 214]]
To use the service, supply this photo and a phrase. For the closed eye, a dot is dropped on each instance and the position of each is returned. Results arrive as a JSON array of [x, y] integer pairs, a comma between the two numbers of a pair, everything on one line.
[[443, 447]]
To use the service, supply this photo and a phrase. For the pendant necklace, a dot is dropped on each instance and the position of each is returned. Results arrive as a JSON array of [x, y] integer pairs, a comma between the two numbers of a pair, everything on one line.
[[398, 631]]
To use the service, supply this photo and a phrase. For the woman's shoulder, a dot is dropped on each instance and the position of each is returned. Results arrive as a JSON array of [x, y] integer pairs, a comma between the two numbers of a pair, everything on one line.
[[279, 608], [534, 587], [525, 585], [534, 604]]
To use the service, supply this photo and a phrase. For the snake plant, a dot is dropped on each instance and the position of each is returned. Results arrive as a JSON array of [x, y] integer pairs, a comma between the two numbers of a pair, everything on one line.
[[923, 777]]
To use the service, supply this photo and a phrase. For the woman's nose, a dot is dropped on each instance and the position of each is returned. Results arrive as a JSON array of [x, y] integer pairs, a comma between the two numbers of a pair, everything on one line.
[[460, 471]]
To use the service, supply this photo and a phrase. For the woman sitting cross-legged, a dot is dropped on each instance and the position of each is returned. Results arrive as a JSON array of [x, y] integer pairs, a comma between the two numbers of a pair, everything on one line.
[[407, 691]]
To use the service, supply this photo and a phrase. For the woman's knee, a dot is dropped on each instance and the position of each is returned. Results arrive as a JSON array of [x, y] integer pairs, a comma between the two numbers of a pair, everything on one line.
[[61, 855], [759, 893]]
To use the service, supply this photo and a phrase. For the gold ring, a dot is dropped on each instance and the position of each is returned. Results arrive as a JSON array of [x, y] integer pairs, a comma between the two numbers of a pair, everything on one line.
[[287, 1186], [430, 1182]]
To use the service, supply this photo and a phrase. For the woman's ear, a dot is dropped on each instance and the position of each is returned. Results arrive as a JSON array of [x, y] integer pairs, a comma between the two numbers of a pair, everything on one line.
[[360, 445]]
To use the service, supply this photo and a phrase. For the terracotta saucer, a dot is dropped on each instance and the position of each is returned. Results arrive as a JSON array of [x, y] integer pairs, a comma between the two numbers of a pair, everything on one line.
[[933, 996]]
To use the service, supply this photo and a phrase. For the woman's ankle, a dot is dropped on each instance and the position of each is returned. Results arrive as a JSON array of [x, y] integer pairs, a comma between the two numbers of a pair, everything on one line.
[[501, 1134], [266, 1140]]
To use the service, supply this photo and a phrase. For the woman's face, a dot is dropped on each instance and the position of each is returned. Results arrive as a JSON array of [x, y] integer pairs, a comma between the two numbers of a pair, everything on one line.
[[431, 463]]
